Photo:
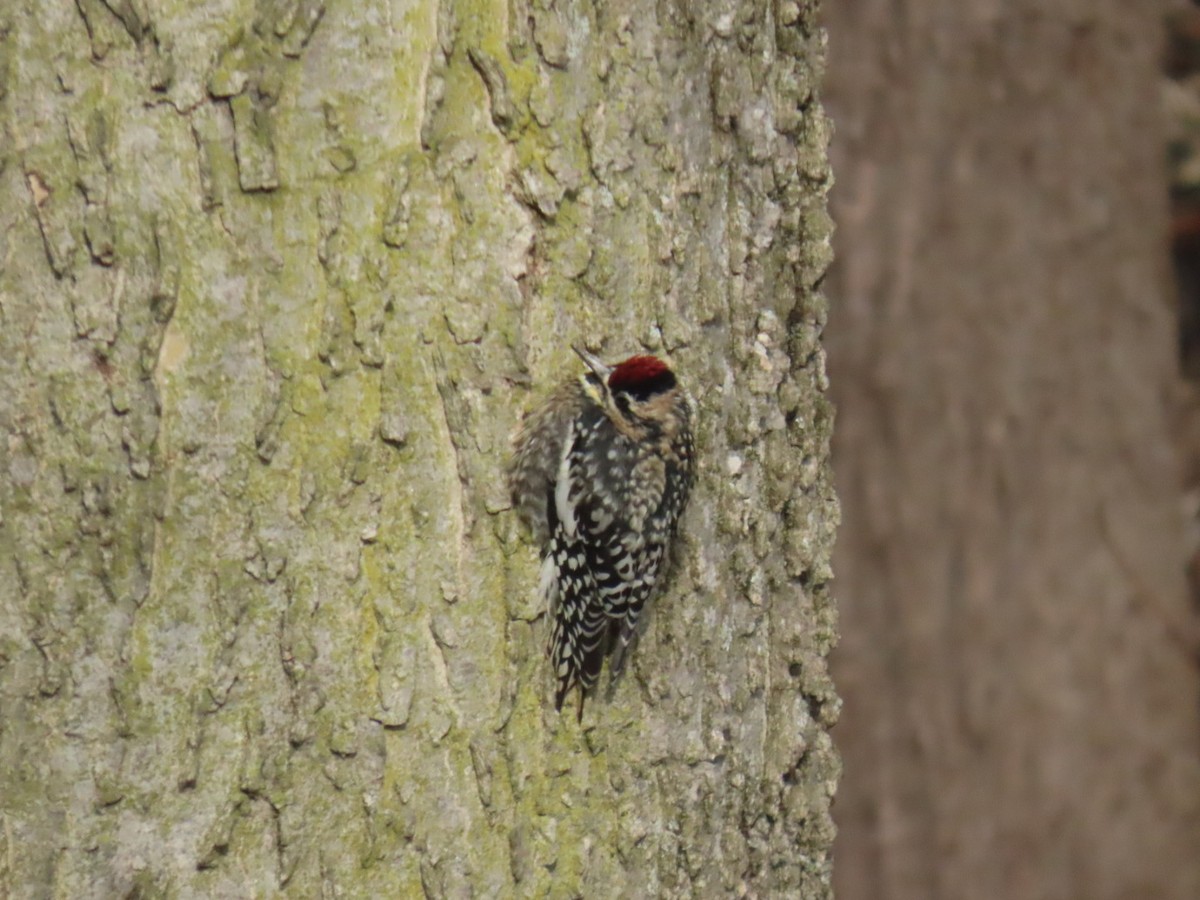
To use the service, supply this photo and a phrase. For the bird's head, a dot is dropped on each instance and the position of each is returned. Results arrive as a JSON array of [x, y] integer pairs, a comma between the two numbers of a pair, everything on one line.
[[640, 391]]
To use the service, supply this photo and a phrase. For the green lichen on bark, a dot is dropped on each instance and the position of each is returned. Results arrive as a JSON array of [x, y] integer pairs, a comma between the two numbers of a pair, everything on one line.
[[277, 281]]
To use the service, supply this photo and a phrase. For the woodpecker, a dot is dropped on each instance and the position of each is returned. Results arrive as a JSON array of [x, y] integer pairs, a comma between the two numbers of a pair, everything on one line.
[[601, 473]]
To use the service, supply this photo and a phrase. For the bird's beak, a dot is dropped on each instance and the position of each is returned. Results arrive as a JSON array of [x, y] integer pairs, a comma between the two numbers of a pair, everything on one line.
[[602, 371]]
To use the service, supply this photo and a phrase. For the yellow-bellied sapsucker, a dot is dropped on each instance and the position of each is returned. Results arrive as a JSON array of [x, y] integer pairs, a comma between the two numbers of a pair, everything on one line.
[[601, 473]]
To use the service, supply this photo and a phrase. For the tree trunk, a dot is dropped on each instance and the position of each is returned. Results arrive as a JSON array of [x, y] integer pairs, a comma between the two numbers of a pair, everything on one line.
[[276, 285], [1021, 720]]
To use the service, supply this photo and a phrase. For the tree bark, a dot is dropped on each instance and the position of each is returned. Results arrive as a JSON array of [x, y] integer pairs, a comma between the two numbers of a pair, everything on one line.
[[275, 285], [1021, 719]]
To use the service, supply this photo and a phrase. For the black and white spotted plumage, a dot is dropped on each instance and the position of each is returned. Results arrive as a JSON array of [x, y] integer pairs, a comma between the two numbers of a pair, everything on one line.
[[601, 473]]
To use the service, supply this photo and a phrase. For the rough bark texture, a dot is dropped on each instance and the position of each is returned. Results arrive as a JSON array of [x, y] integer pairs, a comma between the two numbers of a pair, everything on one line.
[[1020, 720], [276, 280]]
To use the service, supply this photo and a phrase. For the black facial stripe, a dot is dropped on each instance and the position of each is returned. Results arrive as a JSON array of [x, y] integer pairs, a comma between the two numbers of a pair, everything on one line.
[[648, 387]]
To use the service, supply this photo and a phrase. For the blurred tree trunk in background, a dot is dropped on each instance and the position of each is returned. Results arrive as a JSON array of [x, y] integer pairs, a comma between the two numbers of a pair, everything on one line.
[[276, 279], [1020, 719]]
